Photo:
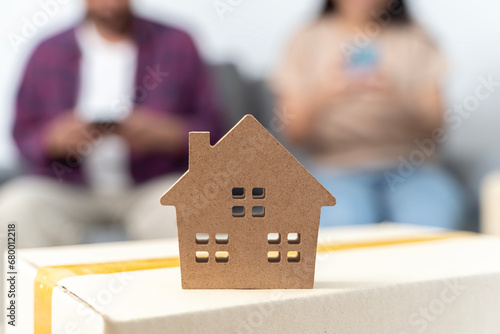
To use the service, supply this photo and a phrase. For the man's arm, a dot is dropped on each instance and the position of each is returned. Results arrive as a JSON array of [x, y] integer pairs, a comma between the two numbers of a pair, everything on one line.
[[30, 116], [40, 132], [151, 130]]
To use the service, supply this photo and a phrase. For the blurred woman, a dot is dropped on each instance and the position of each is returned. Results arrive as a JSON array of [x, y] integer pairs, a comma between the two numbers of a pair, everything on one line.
[[360, 90]]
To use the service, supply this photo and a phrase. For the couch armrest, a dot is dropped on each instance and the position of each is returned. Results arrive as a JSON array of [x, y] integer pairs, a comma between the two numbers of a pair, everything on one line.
[[490, 204]]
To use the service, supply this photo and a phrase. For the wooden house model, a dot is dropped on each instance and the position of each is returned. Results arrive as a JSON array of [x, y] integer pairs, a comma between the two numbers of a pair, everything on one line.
[[247, 213]]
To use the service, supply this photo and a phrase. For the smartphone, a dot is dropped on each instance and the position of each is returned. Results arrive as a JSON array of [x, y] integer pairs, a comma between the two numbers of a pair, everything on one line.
[[105, 124], [364, 60]]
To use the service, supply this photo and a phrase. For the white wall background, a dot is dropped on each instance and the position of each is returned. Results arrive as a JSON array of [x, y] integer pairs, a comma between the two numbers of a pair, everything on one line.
[[253, 34]]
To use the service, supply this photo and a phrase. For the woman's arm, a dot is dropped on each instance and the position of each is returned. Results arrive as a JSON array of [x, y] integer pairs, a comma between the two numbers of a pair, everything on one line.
[[431, 107]]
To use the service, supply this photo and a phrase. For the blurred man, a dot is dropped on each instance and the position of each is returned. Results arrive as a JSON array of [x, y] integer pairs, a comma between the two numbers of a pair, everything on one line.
[[102, 117]]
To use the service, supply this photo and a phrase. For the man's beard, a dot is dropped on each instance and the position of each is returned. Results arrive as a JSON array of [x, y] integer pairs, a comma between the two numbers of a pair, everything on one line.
[[119, 22]]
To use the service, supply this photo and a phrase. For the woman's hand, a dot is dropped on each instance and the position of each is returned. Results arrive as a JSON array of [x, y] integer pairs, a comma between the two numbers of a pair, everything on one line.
[[300, 110], [375, 82], [333, 86]]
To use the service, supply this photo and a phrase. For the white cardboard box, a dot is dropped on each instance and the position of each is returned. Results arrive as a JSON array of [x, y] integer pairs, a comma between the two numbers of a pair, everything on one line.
[[441, 286]]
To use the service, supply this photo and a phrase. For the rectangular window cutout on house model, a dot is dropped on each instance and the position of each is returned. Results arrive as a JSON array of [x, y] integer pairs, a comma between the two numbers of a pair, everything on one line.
[[258, 211], [258, 193], [238, 211], [239, 193], [247, 213]]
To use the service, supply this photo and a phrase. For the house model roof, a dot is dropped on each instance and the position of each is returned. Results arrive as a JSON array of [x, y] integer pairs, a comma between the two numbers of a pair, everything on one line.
[[246, 148]]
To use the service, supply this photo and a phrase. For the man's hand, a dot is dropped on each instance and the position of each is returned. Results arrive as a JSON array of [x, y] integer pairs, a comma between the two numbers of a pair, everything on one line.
[[148, 132], [65, 134]]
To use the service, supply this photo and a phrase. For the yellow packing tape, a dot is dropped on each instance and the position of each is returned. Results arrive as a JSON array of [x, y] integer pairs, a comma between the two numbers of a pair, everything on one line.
[[48, 277]]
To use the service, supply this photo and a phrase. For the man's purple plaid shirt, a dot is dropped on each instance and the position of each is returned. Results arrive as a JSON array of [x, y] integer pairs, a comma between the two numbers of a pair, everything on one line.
[[50, 87]]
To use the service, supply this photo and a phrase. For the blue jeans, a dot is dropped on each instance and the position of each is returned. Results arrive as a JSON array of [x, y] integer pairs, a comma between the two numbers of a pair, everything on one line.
[[429, 196]]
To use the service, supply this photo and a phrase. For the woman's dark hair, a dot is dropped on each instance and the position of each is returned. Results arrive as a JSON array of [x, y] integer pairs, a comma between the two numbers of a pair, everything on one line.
[[397, 10]]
